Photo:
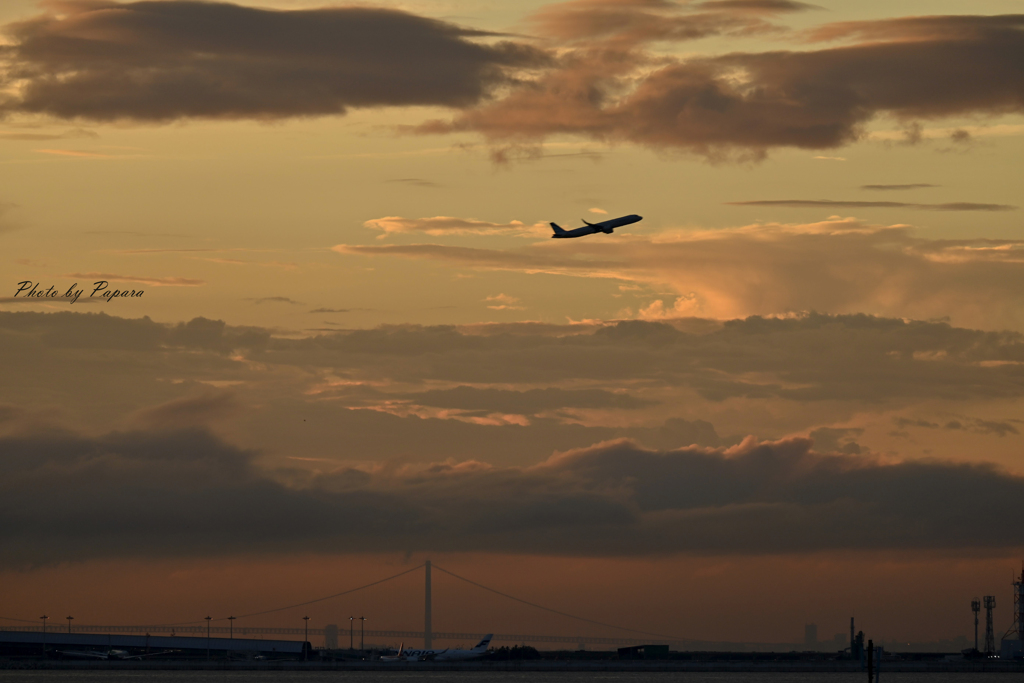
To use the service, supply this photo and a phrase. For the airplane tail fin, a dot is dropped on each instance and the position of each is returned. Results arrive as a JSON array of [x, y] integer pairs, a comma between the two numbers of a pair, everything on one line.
[[558, 229], [482, 645]]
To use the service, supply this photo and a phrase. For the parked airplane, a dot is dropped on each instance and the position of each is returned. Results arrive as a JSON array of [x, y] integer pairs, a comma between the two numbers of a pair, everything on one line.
[[478, 650], [396, 657], [590, 228], [109, 654]]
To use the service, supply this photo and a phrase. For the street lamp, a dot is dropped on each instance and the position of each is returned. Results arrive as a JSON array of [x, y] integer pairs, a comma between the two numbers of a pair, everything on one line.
[[208, 619], [351, 626], [231, 627], [362, 642], [69, 624], [44, 618], [304, 651]]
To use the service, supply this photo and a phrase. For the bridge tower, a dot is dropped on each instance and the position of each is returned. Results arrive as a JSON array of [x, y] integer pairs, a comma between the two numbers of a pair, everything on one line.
[[990, 636], [428, 636]]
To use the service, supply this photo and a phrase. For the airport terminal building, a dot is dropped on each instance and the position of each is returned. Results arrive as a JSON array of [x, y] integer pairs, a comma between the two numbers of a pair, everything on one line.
[[59, 645]]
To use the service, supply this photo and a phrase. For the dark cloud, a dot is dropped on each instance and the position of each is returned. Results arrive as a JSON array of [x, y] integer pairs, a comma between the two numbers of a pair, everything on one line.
[[161, 60], [960, 136], [740, 105], [140, 279], [506, 394], [909, 186], [5, 208], [417, 182], [332, 310], [766, 6], [274, 299], [525, 402], [73, 133], [975, 425], [33, 301], [190, 411], [186, 493], [908, 422], [997, 28], [622, 24], [869, 358], [839, 440], [828, 203], [487, 258]]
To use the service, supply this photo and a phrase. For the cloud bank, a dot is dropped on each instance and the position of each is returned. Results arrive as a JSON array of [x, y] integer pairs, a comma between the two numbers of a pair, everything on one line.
[[186, 493], [740, 105], [597, 69], [837, 265]]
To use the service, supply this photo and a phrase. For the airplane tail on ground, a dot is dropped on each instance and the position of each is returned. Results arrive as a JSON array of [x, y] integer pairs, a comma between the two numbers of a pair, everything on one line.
[[482, 645], [558, 229]]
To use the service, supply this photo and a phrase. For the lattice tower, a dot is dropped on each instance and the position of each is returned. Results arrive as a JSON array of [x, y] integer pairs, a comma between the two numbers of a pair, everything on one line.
[[990, 636], [1018, 609]]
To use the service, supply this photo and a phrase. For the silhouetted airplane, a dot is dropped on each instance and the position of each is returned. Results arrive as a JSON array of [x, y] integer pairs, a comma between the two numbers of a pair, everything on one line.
[[590, 228]]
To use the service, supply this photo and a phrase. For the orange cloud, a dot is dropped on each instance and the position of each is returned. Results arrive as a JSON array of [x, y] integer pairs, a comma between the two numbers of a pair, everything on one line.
[[154, 281], [837, 265]]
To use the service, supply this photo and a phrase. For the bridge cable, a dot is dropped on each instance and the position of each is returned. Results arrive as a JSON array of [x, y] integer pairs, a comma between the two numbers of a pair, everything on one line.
[[300, 604], [336, 595], [27, 621], [555, 611]]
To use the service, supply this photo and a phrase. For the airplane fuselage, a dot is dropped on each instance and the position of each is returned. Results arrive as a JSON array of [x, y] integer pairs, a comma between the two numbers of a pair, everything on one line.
[[590, 228], [479, 650]]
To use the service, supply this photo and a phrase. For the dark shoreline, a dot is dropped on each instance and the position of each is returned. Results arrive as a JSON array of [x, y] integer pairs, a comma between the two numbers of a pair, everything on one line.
[[538, 666]]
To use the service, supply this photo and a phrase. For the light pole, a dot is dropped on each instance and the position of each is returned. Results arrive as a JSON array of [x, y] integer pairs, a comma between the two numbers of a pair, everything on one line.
[[44, 618], [362, 641], [208, 619], [231, 627], [69, 625], [304, 651], [351, 627]]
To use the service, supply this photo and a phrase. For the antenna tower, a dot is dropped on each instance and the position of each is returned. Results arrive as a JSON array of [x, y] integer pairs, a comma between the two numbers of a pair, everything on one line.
[[1018, 609], [975, 607], [990, 637]]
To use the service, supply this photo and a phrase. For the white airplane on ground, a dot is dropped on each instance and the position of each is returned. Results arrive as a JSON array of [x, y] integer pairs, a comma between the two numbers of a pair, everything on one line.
[[446, 655], [590, 228]]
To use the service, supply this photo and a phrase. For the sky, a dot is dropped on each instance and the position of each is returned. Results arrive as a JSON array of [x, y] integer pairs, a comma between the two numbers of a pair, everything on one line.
[[281, 314]]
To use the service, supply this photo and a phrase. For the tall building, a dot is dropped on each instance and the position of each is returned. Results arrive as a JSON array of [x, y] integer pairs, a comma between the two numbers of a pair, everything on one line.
[[331, 636], [810, 636]]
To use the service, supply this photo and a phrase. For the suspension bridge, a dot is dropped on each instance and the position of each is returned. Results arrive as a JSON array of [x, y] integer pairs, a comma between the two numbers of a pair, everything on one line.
[[630, 636]]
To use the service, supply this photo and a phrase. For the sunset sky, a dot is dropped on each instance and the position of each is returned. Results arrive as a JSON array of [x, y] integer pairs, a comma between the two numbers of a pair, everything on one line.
[[791, 394]]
